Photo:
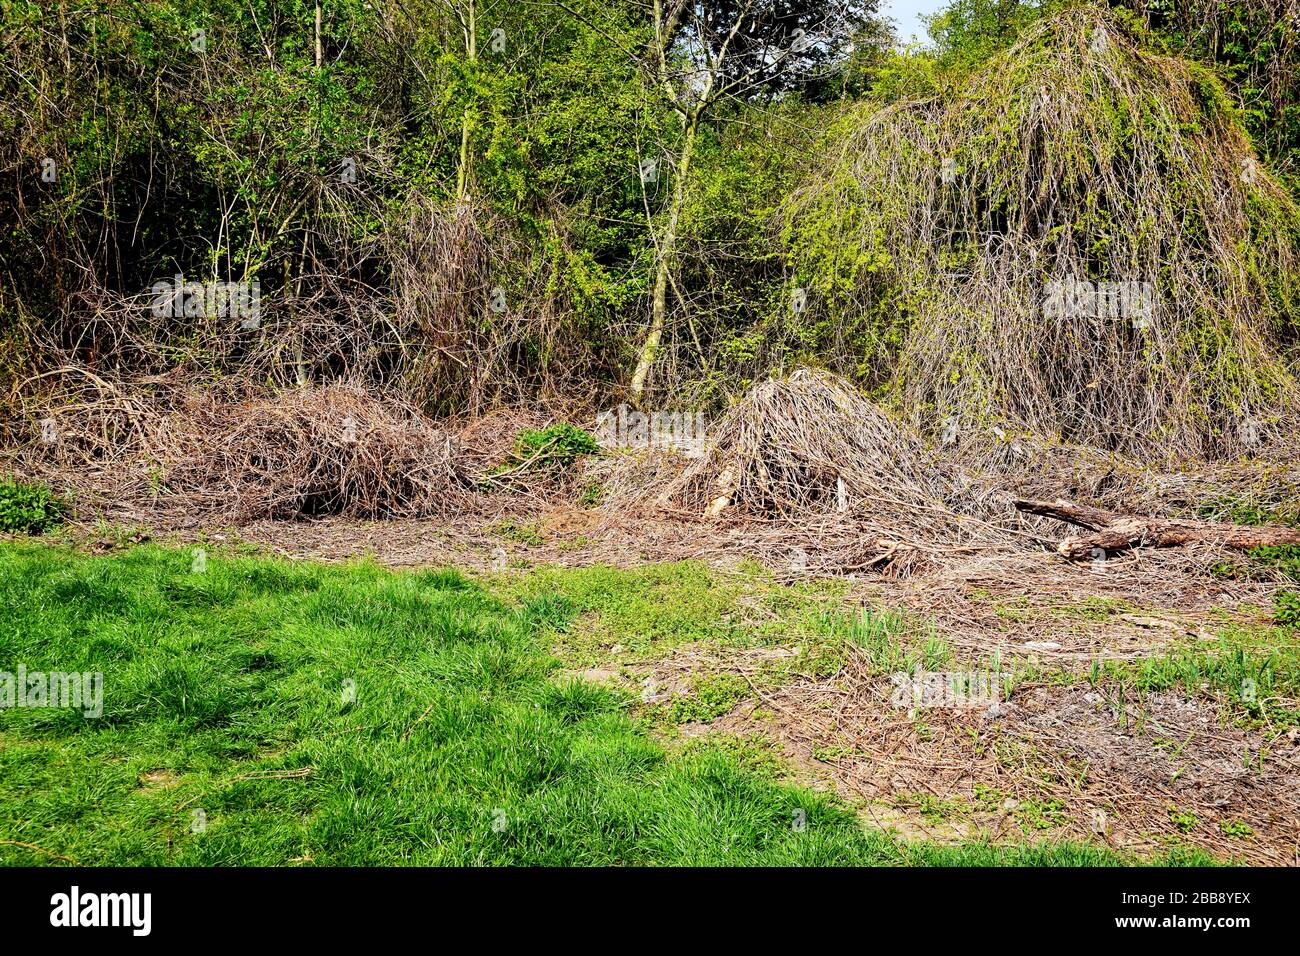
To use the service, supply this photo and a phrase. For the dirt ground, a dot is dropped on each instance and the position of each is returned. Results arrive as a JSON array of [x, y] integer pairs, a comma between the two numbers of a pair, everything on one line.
[[1143, 774]]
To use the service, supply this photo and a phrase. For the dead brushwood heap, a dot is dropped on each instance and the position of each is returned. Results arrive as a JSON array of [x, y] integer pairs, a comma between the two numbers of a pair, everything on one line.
[[312, 451], [810, 445]]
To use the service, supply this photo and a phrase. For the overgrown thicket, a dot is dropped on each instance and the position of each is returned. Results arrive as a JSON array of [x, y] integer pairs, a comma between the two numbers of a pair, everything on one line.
[[463, 204], [1256, 46], [1253, 45], [377, 181], [941, 234]]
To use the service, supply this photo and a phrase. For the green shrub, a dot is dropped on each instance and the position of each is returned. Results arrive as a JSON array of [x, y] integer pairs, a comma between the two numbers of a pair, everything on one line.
[[558, 444], [1286, 609], [30, 508]]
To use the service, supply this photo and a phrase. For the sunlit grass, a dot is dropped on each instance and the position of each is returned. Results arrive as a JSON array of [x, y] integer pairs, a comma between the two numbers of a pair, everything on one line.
[[260, 711]]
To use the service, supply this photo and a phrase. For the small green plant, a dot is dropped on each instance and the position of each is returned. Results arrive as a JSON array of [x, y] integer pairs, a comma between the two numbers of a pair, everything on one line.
[[559, 445], [32, 509], [1284, 558], [527, 533], [989, 799], [936, 652], [713, 697], [1185, 820], [1236, 828], [832, 753], [1040, 814], [1095, 608], [934, 809], [1239, 511], [591, 495], [118, 536], [1262, 564], [1286, 609]]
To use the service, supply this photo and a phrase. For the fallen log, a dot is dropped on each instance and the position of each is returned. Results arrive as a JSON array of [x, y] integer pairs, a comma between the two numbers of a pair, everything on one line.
[[1118, 532]]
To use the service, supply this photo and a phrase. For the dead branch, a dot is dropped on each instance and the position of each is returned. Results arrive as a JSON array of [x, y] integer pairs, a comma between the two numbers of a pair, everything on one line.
[[1118, 532]]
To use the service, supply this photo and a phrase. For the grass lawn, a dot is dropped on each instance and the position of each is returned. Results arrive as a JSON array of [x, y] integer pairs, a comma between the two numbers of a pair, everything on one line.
[[268, 712]]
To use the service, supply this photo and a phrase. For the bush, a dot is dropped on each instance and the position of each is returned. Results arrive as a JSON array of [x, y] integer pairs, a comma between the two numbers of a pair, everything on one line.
[[30, 508], [558, 444], [1286, 609]]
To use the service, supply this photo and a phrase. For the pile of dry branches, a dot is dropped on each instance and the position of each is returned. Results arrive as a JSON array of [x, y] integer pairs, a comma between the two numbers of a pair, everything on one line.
[[239, 453], [1031, 466], [333, 449], [809, 451], [828, 471], [807, 443], [811, 443]]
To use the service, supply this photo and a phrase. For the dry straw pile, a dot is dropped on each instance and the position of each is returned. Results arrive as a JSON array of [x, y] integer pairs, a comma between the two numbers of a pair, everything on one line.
[[811, 446], [234, 452], [807, 443]]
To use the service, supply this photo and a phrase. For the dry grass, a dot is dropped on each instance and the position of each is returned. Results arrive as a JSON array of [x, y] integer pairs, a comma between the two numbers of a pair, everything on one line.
[[1056, 761]]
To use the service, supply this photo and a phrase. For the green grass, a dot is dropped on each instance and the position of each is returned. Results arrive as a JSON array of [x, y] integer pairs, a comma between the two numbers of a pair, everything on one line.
[[648, 610], [1251, 668], [880, 633], [348, 715]]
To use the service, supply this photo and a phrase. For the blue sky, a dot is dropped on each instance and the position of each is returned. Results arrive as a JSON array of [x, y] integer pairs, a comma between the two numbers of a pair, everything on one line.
[[906, 13]]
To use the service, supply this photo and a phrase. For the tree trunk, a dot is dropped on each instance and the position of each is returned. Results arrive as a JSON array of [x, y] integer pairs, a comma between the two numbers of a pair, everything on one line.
[[664, 262], [1116, 532], [471, 55]]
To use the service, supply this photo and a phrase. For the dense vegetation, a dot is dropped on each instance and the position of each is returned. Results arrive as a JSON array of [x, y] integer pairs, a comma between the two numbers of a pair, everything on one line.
[[483, 202], [29, 508]]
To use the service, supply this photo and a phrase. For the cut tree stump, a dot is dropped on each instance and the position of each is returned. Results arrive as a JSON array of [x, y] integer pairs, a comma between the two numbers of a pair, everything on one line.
[[1119, 532]]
